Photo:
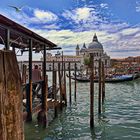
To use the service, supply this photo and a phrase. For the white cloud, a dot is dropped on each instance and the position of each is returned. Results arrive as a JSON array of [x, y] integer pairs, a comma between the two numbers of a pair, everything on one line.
[[104, 5], [137, 6], [51, 27], [45, 16], [82, 14], [36, 16], [130, 31], [114, 35]]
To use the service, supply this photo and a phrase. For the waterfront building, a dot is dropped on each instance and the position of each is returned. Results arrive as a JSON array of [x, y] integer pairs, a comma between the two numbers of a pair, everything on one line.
[[96, 48], [57, 58], [126, 63]]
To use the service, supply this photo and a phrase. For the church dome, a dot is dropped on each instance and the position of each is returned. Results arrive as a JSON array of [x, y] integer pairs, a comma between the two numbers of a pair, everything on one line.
[[95, 44]]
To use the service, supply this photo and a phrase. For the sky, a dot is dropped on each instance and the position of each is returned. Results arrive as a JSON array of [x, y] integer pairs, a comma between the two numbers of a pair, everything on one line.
[[71, 22]]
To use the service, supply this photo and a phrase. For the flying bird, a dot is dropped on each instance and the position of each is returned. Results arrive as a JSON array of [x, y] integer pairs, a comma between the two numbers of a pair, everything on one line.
[[18, 9]]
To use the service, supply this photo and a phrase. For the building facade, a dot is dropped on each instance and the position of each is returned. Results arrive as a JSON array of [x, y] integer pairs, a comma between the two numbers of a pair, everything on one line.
[[96, 48], [126, 63], [54, 60]]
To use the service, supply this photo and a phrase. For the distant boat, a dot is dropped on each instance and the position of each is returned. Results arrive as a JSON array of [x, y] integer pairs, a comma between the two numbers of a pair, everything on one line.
[[114, 79]]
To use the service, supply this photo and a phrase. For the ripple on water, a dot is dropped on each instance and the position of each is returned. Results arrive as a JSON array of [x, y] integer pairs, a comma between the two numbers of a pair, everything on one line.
[[120, 120]]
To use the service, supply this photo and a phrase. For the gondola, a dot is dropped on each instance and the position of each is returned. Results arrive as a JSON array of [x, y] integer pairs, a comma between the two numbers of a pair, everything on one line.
[[113, 79]]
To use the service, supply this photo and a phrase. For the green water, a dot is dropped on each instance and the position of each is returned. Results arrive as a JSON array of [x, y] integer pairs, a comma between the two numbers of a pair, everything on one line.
[[120, 119]]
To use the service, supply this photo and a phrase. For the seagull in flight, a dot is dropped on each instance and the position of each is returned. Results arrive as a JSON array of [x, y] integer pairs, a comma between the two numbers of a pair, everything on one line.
[[18, 9]]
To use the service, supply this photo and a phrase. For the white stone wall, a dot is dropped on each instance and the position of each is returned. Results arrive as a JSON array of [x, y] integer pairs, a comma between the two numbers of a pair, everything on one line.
[[49, 65]]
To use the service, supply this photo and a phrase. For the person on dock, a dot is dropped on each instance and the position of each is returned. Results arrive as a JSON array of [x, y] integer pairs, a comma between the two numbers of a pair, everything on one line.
[[36, 77]]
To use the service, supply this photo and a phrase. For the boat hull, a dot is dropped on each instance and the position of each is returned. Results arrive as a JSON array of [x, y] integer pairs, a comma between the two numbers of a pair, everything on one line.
[[110, 80]]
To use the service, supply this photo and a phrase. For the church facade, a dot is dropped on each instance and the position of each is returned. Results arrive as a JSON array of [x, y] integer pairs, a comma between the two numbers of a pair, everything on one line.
[[96, 48]]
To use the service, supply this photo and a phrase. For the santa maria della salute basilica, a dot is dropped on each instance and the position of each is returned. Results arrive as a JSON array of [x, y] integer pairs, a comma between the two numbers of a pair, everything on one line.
[[96, 48]]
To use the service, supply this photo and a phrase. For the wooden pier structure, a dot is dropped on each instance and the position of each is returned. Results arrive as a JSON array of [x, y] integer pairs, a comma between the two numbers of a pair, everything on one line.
[[19, 100], [14, 37]]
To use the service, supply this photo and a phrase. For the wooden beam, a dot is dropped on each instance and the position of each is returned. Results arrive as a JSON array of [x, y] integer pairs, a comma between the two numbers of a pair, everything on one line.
[[44, 79], [7, 47], [29, 94]]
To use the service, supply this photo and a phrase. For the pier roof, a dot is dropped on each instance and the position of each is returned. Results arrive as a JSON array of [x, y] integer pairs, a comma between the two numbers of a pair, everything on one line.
[[20, 35]]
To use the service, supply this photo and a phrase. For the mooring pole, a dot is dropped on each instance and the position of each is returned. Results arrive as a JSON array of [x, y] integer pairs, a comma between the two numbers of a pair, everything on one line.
[[52, 78], [62, 64], [91, 91], [54, 92], [100, 86], [65, 84], [69, 83], [103, 83], [75, 83], [60, 84], [52, 70], [29, 92]]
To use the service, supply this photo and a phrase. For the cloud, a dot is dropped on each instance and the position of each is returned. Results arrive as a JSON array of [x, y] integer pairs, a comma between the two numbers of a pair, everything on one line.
[[137, 6], [77, 26], [122, 42], [45, 16], [130, 31], [78, 14], [51, 27], [104, 5], [30, 16]]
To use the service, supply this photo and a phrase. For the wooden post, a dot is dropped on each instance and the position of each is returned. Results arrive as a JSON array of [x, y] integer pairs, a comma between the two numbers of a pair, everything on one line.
[[60, 84], [29, 94], [91, 91], [7, 47], [42, 115], [65, 96], [100, 87], [11, 118], [62, 65], [54, 92], [75, 83], [45, 82], [53, 86], [69, 83], [24, 69], [103, 83]]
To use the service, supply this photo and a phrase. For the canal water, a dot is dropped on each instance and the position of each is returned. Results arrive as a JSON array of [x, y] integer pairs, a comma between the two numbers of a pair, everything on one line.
[[120, 119]]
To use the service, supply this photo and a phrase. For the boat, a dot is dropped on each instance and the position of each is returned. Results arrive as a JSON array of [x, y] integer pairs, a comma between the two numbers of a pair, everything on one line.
[[113, 79]]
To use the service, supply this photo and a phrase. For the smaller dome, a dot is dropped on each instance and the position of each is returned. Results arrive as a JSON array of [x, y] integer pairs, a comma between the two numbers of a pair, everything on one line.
[[95, 44]]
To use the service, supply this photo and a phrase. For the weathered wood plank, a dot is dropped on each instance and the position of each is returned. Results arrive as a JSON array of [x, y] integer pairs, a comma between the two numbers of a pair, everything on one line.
[[11, 98], [2, 96]]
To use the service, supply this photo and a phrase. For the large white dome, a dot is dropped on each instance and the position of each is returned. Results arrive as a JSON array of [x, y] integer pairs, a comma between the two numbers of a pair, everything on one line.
[[95, 44]]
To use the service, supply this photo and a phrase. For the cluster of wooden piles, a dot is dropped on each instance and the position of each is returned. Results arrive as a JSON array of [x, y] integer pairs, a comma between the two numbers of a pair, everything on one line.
[[16, 37], [101, 87]]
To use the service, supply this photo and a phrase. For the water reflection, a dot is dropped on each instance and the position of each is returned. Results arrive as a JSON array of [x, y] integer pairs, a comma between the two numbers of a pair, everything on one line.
[[119, 120]]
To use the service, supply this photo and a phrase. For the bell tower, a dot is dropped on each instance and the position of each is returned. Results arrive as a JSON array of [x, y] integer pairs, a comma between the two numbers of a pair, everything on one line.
[[77, 50]]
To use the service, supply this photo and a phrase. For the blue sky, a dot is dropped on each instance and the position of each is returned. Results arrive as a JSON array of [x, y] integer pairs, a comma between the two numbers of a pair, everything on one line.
[[71, 22]]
